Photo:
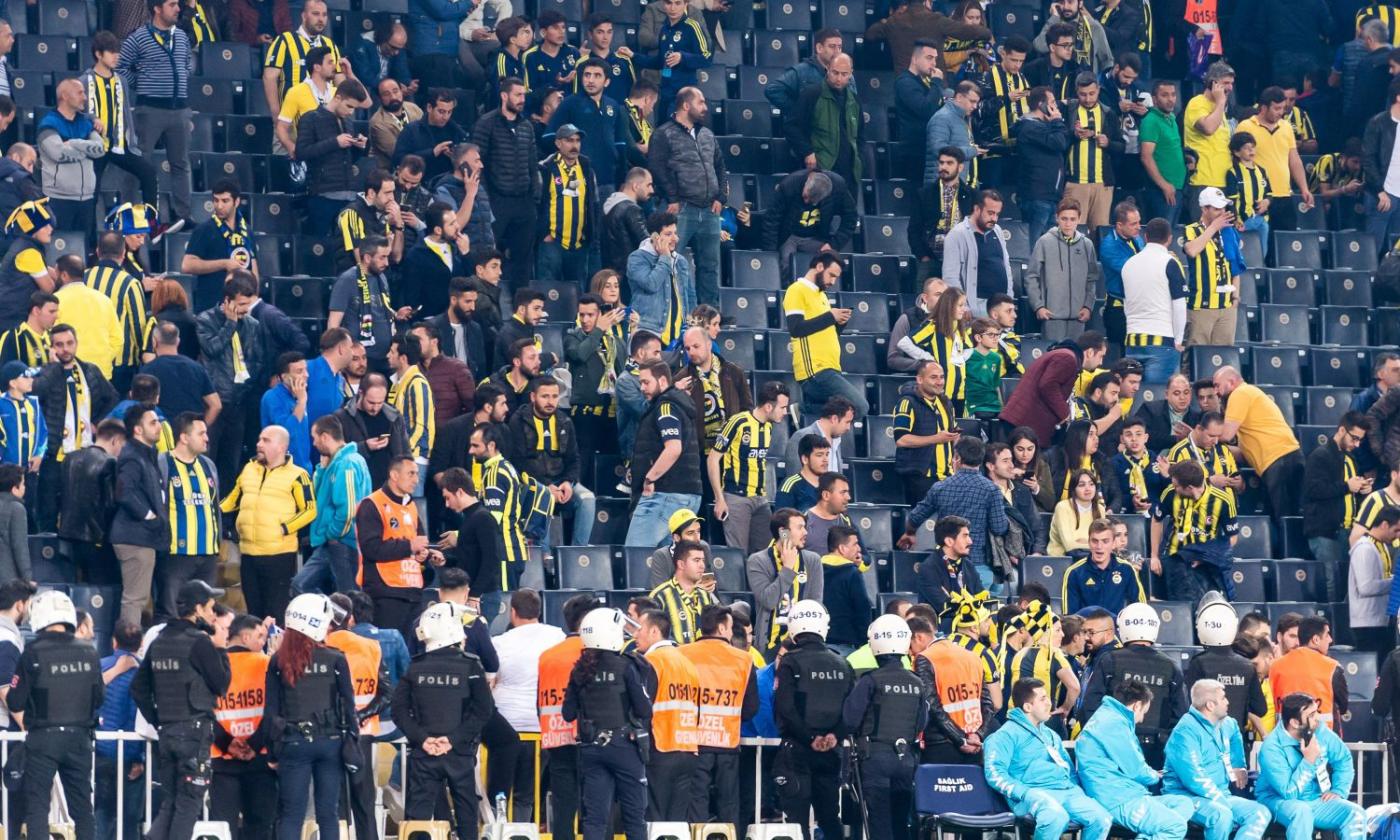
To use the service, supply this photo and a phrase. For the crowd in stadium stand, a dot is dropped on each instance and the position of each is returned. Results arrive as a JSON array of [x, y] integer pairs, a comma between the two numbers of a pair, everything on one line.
[[1009, 320]]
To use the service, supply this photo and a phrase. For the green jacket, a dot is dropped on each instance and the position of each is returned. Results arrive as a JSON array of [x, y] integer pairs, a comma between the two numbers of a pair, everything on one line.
[[817, 126]]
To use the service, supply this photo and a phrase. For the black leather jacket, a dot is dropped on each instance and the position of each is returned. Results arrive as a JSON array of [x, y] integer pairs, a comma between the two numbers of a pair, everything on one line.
[[90, 477]]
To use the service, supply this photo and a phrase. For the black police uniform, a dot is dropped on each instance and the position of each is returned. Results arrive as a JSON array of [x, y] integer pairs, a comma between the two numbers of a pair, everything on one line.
[[607, 696], [1155, 670], [1242, 686], [58, 687], [444, 694], [811, 688], [179, 680], [314, 726], [887, 709]]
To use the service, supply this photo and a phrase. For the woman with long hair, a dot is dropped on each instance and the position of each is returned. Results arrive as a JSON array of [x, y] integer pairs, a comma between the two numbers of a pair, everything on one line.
[[1035, 472], [941, 337], [169, 302], [607, 695], [610, 287], [973, 51], [1080, 450], [1069, 528], [310, 701]]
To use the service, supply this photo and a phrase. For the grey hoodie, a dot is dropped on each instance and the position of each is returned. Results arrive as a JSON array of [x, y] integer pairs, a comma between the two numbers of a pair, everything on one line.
[[67, 164], [1062, 276]]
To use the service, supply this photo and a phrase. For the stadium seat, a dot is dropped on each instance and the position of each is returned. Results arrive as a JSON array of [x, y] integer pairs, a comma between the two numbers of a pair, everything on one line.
[[299, 297], [875, 524], [879, 436], [845, 15], [610, 521], [1344, 367], [1292, 286], [66, 242], [584, 567], [1178, 623], [271, 213], [621, 11], [754, 270], [746, 348], [789, 14], [746, 307], [714, 83], [1343, 324], [1255, 537], [1297, 580], [1205, 359], [1311, 437], [891, 196], [1017, 238], [904, 566], [1351, 249], [863, 354], [1346, 287], [773, 48], [748, 118], [1047, 570], [870, 311], [226, 60], [1009, 20], [1252, 248], [1248, 577], [560, 299], [752, 81], [875, 482], [1326, 405], [1284, 324], [248, 134], [1276, 365], [54, 53], [1295, 248], [636, 566], [30, 89], [219, 96], [877, 272], [886, 234], [877, 123], [747, 154], [876, 88], [209, 168], [728, 565], [64, 17]]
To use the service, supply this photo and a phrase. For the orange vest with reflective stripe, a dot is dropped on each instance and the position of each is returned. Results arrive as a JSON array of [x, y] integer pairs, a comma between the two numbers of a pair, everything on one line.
[[240, 709], [555, 666], [400, 523], [957, 676], [675, 714], [1304, 669], [364, 656], [724, 676]]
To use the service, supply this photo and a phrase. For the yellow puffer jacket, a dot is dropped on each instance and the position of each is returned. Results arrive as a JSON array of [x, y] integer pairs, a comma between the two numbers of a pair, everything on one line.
[[272, 504]]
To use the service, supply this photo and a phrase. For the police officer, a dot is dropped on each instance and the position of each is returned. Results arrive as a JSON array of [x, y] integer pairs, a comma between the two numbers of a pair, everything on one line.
[[1216, 627], [887, 709], [441, 705], [56, 695], [370, 676], [185, 670], [1138, 625], [811, 685], [311, 706], [607, 696]]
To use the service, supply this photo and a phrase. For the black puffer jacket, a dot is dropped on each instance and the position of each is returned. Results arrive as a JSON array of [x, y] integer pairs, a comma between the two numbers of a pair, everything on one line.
[[90, 477], [623, 231], [510, 164], [329, 168], [1042, 145]]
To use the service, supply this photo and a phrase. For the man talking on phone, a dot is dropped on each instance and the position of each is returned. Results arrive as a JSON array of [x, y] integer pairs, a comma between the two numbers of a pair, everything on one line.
[[1214, 263], [924, 432], [1305, 774]]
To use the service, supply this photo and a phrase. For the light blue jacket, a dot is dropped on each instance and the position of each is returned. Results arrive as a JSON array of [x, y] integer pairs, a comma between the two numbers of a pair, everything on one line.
[[340, 486], [1284, 775], [650, 278], [1111, 764], [1022, 757], [947, 127], [1195, 756]]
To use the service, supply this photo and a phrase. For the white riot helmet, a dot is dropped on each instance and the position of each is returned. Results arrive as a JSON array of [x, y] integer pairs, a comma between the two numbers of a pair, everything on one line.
[[440, 626], [311, 615], [1138, 623], [1216, 621], [889, 634], [602, 629], [52, 607], [808, 617]]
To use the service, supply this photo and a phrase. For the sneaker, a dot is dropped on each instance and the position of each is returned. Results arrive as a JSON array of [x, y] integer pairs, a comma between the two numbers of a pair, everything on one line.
[[161, 231]]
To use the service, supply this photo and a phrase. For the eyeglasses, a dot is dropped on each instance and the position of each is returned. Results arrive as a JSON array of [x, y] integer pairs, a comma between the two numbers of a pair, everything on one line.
[[1065, 45], [1355, 438]]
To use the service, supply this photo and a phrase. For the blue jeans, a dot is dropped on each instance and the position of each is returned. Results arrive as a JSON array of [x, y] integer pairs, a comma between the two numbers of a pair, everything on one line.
[[1158, 363], [1155, 817], [1245, 817], [699, 228], [331, 568], [1037, 215], [1261, 224], [583, 505], [1155, 206], [1300, 819], [825, 384], [420, 492], [299, 763], [1384, 227], [1053, 810], [105, 800], [554, 263], [650, 519]]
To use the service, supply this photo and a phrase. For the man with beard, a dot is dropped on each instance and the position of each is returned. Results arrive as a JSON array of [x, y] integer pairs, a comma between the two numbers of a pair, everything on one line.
[[511, 177], [665, 457], [514, 379], [376, 428], [73, 395], [939, 207], [427, 270], [461, 335], [389, 121], [373, 212], [815, 328]]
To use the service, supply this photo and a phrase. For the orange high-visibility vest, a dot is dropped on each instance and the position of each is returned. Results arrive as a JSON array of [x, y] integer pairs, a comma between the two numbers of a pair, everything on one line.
[[1304, 669], [240, 709], [957, 676], [400, 523], [675, 714], [364, 656], [555, 666], [724, 677], [1204, 15]]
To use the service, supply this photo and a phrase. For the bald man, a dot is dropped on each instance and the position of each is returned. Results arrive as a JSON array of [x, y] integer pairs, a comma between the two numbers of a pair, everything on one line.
[[824, 143], [69, 142], [274, 500], [1266, 440], [720, 388]]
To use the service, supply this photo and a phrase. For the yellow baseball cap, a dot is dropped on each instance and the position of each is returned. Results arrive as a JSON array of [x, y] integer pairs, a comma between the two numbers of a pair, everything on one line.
[[681, 519]]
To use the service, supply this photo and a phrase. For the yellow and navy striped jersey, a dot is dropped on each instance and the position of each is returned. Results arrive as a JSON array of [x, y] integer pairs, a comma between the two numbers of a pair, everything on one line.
[[503, 495], [683, 608], [949, 351], [914, 415], [107, 106], [1218, 460], [129, 297], [412, 397], [1207, 272], [1330, 172], [287, 53], [24, 344], [1001, 85], [744, 443], [1196, 521], [24, 435], [192, 490], [820, 350], [715, 413], [357, 221], [1086, 159], [991, 665], [200, 29], [1349, 500], [1303, 129], [1246, 186], [1042, 663], [1010, 349], [1386, 14], [566, 202], [1145, 43], [638, 125], [1371, 507]]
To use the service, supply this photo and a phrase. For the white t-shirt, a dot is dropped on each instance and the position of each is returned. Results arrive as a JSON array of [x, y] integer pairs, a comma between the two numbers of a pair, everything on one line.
[[1392, 172], [519, 649]]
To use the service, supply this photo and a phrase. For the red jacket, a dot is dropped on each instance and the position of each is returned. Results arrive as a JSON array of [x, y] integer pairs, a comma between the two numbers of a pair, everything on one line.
[[1041, 399], [454, 389], [243, 20]]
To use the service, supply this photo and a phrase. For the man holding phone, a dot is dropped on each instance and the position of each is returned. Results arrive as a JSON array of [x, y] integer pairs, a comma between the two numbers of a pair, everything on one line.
[[687, 593], [781, 575], [1207, 131], [924, 432], [1305, 774], [1214, 263]]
